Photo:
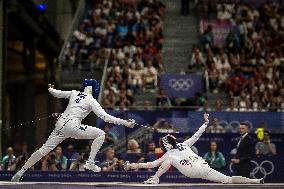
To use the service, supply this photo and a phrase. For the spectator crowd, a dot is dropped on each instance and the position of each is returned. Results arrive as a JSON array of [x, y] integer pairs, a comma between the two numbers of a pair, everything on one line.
[[249, 66], [128, 34]]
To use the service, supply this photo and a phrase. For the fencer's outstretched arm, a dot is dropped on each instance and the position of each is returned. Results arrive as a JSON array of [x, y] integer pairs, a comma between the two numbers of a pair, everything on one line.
[[164, 162], [200, 131], [147, 165], [58, 93], [100, 112]]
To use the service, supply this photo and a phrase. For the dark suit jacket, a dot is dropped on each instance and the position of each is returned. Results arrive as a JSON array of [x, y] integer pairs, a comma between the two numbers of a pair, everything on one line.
[[245, 151]]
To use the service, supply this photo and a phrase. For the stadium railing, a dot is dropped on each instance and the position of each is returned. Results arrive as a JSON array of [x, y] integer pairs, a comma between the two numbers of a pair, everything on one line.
[[72, 77]]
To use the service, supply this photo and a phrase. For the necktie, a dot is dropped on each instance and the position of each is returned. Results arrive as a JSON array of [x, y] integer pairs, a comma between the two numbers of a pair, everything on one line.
[[239, 142]]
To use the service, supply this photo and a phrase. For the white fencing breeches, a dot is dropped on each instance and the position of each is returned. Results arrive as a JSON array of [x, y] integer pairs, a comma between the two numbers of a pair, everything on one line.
[[67, 128], [215, 176]]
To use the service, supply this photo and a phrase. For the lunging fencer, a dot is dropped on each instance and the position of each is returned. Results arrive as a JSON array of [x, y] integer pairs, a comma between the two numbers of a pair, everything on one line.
[[68, 125], [186, 161]]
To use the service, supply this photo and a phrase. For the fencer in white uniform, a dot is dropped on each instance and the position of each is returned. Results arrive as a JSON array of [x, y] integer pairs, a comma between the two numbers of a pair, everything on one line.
[[81, 103], [186, 161]]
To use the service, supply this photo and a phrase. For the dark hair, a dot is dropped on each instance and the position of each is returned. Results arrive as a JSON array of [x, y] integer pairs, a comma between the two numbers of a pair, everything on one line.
[[244, 123], [217, 153], [108, 149], [151, 142], [211, 141]]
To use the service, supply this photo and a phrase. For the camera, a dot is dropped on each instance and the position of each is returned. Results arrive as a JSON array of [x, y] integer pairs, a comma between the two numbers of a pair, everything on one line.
[[51, 159]]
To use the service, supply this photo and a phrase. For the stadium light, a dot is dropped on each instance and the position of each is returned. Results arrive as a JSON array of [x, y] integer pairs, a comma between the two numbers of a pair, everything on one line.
[[41, 7]]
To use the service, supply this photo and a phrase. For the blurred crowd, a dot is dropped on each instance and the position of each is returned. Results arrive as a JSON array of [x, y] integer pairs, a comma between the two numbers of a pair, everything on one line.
[[135, 61], [250, 64], [129, 35], [248, 67]]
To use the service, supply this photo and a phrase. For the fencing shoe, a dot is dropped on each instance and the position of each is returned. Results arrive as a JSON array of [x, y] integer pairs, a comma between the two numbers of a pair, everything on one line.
[[16, 178], [152, 180], [261, 181]]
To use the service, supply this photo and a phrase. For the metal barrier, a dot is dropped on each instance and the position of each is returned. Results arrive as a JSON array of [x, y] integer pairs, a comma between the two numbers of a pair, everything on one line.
[[103, 81], [75, 23], [71, 77]]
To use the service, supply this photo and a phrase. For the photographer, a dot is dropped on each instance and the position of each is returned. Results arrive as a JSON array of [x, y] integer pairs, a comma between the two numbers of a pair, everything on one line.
[[78, 164], [111, 162], [48, 162], [54, 161], [20, 161]]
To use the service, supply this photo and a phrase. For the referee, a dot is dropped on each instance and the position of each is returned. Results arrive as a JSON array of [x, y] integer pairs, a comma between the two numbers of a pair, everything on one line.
[[245, 152]]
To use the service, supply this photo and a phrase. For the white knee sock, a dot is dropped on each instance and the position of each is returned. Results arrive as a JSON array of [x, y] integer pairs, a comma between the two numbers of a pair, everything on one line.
[[243, 180], [35, 157], [96, 145]]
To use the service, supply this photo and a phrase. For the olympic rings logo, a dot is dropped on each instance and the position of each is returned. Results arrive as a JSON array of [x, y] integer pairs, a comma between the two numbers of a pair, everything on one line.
[[181, 84], [233, 126], [265, 168]]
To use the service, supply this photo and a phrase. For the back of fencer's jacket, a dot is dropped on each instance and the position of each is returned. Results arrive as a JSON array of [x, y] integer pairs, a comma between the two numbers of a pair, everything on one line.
[[79, 105]]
